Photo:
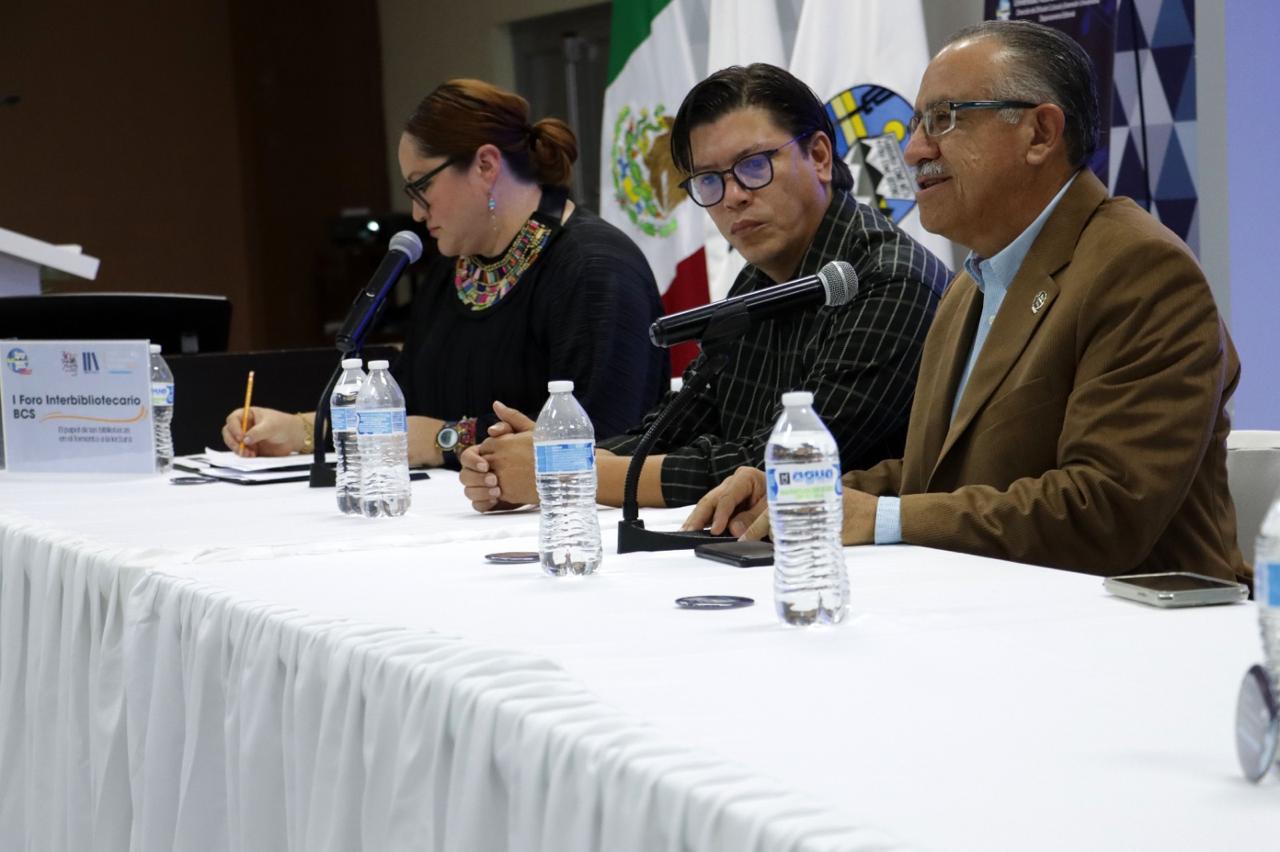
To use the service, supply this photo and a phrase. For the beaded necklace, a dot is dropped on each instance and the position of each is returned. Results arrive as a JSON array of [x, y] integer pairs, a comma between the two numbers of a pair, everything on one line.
[[482, 285]]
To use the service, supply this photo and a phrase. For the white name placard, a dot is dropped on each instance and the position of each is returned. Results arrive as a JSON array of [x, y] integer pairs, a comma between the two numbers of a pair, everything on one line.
[[77, 405]]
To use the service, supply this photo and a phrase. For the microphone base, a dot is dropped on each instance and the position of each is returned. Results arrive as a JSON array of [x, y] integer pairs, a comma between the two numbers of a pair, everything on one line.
[[323, 476], [634, 538]]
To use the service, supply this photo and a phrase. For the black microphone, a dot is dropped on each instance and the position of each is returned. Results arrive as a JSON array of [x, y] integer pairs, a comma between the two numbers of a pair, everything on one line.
[[834, 285], [405, 248]]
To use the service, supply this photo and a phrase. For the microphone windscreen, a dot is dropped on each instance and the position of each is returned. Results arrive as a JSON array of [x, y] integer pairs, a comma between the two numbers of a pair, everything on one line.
[[407, 243], [840, 281]]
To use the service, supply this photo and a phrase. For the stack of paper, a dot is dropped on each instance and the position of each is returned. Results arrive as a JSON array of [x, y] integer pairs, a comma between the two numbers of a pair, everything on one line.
[[229, 467]]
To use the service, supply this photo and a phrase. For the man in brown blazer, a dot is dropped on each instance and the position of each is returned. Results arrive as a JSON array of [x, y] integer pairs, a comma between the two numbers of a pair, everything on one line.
[[1071, 404]]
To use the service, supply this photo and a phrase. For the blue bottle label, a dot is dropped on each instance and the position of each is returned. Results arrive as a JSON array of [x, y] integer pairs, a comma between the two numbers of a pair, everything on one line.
[[803, 483], [1268, 584], [343, 419], [380, 421], [162, 393], [564, 456]]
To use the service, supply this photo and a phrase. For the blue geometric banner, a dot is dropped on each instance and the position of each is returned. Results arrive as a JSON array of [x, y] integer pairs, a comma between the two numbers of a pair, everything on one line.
[[1092, 24], [1153, 112], [1144, 56]]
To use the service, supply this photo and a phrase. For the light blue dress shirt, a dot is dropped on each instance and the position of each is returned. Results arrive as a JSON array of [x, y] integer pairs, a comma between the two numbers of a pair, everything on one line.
[[993, 276]]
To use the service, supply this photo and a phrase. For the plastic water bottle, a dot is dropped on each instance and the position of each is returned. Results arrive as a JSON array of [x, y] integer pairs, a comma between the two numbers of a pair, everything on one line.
[[162, 409], [564, 452], [802, 470], [342, 411], [383, 444], [1266, 590]]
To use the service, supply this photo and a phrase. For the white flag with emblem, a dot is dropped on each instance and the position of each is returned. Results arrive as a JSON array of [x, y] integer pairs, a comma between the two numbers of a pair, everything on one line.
[[741, 32], [865, 60]]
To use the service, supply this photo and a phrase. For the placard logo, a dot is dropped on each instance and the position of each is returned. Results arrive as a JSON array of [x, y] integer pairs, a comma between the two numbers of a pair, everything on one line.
[[117, 365], [18, 362]]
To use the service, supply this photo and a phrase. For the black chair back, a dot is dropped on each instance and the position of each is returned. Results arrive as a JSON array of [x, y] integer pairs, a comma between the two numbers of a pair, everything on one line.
[[208, 387]]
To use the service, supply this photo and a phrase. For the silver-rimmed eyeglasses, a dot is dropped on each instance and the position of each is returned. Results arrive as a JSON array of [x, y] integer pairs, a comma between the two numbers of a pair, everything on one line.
[[940, 119]]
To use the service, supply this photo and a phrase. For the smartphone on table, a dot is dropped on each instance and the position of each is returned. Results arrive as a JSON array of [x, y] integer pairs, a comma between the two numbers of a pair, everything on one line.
[[1176, 589], [744, 554]]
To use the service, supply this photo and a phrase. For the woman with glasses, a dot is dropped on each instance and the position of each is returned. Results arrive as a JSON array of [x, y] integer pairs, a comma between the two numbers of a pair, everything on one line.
[[527, 287]]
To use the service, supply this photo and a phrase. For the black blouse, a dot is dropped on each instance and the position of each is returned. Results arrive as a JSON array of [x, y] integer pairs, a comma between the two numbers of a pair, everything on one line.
[[581, 311]]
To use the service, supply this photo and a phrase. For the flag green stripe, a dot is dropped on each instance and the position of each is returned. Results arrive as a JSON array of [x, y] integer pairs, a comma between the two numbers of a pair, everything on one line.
[[628, 29]]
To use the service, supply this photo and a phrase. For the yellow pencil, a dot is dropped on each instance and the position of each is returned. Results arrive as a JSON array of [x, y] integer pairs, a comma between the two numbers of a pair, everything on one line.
[[244, 418]]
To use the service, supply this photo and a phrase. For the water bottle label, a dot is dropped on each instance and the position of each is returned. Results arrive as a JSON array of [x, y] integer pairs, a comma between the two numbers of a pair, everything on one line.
[[162, 393], [1268, 584], [380, 421], [803, 483], [565, 456], [343, 419]]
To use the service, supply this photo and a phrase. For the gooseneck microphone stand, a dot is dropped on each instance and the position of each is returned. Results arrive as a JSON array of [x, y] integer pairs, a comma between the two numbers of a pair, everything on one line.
[[323, 476], [728, 323], [404, 248]]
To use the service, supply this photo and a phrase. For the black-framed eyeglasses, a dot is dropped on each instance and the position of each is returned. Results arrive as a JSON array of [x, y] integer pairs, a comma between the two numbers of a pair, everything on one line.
[[416, 189], [940, 118], [754, 171]]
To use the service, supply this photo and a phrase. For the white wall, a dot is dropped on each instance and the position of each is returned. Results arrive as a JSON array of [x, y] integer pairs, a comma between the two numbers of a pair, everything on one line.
[[425, 42], [1248, 131]]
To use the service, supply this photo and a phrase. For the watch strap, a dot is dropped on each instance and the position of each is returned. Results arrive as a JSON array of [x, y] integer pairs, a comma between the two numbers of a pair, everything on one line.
[[464, 429]]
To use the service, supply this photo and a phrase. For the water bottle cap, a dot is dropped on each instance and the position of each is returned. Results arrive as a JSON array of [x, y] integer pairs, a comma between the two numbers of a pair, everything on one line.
[[379, 365], [562, 386], [351, 363], [791, 399], [154, 348]]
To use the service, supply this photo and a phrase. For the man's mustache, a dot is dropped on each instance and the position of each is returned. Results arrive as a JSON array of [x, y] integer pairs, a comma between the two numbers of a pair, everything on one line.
[[930, 169]]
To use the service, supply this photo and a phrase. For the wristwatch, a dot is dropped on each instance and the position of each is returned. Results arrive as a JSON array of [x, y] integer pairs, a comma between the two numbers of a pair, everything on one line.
[[456, 435]]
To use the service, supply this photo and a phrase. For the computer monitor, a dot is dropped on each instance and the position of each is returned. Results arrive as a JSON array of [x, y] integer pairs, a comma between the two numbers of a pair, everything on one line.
[[179, 322]]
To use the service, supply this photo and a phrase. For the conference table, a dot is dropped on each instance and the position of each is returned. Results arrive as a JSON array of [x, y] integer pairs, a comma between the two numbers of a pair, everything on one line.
[[230, 667]]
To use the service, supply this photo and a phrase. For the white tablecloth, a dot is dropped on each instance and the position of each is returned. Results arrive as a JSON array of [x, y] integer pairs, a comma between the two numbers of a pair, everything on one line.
[[322, 700], [71, 548]]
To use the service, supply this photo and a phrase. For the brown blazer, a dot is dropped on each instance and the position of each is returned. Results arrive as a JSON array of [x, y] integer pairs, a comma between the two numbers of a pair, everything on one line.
[[1092, 431]]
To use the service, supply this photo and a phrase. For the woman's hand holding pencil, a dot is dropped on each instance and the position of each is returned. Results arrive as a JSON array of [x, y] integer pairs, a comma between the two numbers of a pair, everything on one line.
[[244, 418]]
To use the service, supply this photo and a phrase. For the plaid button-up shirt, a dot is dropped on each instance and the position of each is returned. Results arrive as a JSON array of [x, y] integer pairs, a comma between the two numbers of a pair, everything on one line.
[[859, 360]]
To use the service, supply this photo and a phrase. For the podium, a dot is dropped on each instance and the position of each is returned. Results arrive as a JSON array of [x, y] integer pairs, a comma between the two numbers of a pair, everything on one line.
[[21, 258]]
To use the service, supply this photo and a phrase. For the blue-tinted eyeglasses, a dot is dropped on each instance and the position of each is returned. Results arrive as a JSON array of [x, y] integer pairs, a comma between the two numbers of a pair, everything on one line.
[[754, 171]]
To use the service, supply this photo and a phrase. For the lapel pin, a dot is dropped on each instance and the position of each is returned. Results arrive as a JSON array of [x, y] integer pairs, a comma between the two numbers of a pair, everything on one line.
[[1038, 302]]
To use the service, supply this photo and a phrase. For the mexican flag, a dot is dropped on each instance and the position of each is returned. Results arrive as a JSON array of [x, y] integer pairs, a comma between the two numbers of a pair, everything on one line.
[[865, 61], [651, 69]]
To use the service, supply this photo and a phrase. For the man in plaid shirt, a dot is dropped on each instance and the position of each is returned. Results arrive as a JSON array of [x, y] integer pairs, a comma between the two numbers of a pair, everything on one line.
[[758, 147]]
